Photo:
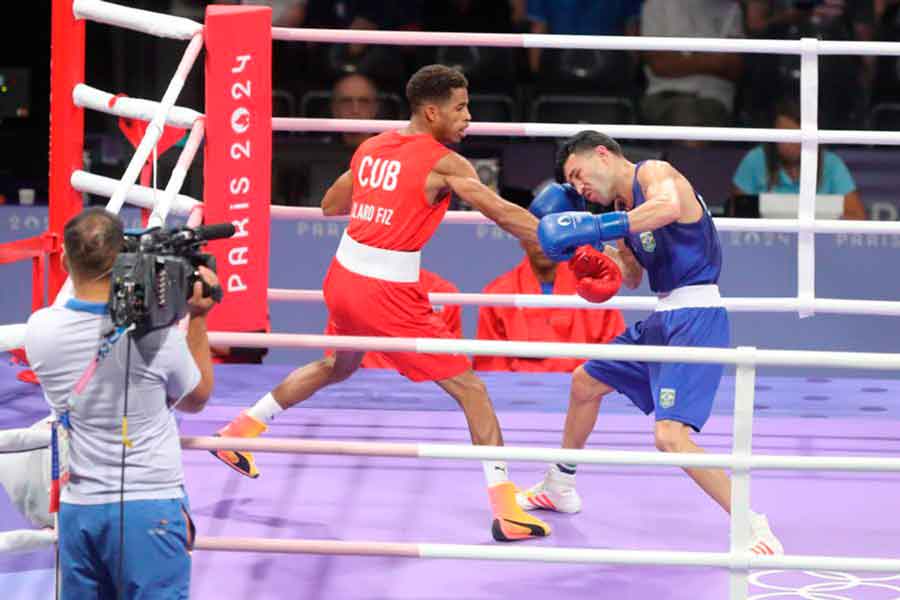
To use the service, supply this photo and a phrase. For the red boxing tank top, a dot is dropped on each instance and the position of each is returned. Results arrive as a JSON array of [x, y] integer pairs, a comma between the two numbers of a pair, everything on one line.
[[390, 209]]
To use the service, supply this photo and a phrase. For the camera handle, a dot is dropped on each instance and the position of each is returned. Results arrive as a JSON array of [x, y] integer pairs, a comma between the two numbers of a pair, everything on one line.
[[215, 292], [209, 261]]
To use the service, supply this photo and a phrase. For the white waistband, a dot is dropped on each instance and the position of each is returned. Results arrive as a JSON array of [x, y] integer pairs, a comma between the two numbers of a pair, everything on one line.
[[690, 296], [378, 263]]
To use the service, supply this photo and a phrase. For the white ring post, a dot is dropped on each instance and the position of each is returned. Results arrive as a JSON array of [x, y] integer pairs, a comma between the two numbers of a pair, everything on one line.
[[744, 391], [809, 171], [155, 128]]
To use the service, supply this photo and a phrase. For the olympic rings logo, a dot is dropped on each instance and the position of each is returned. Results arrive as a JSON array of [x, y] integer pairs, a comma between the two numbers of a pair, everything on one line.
[[824, 586]]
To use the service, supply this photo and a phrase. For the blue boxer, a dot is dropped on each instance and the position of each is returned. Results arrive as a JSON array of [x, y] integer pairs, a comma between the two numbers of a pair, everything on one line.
[[660, 226]]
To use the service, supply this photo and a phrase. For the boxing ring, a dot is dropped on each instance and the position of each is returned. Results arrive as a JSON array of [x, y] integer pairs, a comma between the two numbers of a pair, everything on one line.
[[365, 508]]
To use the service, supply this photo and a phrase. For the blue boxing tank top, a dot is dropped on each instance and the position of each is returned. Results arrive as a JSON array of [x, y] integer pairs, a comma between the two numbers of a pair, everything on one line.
[[677, 254]]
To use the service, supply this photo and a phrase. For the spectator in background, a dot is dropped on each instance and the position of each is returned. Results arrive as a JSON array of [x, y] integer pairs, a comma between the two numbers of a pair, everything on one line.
[[882, 7], [845, 81], [362, 14], [288, 59], [451, 315], [383, 63], [471, 15], [354, 96], [490, 70], [691, 88], [285, 13], [581, 17], [775, 167], [537, 274], [829, 19], [886, 79]]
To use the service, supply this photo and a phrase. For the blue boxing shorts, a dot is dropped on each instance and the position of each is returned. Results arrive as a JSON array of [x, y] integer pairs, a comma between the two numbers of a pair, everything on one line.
[[158, 540], [682, 392]]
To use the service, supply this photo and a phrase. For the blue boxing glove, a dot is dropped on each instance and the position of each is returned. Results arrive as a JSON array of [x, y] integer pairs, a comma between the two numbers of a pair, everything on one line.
[[556, 198], [560, 234]]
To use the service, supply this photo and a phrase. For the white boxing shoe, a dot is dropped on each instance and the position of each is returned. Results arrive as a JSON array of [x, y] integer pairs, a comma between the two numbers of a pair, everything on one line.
[[555, 492], [762, 540]]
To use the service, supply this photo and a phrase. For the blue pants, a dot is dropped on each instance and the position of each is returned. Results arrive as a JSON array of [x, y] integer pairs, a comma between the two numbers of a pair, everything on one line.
[[680, 392], [157, 560]]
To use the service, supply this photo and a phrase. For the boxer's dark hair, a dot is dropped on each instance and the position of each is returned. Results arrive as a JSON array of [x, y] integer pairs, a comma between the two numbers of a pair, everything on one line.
[[433, 83], [583, 141]]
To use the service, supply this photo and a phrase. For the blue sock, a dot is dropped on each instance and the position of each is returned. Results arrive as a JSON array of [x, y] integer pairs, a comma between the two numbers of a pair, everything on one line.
[[568, 469]]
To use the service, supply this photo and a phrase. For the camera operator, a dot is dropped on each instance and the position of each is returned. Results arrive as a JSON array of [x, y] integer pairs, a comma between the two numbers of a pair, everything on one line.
[[130, 469]]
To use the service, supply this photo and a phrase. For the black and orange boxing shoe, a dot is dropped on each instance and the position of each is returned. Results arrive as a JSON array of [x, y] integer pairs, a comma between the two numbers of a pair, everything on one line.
[[240, 460], [511, 523]]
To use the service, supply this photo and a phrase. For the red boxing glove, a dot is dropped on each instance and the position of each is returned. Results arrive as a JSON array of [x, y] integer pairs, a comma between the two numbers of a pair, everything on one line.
[[599, 277]]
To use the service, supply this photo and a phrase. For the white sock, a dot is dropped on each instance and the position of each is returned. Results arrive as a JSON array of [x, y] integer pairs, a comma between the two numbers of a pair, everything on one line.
[[265, 409], [495, 472]]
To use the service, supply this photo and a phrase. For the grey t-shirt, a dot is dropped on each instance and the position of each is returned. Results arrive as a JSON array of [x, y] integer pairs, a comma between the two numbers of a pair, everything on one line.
[[692, 18], [61, 342]]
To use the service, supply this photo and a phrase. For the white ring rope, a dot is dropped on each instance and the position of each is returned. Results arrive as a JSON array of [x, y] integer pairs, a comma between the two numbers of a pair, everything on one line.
[[26, 540], [589, 42], [635, 132], [138, 195], [137, 108], [468, 217], [136, 19], [163, 25], [643, 303], [542, 554], [25, 439], [86, 96], [618, 458], [12, 337], [729, 356]]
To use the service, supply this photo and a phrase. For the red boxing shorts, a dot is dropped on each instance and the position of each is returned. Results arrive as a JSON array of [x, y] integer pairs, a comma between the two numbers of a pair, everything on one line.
[[360, 305]]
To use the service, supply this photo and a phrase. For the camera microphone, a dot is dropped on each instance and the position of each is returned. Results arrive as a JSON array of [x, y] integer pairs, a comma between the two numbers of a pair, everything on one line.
[[215, 232]]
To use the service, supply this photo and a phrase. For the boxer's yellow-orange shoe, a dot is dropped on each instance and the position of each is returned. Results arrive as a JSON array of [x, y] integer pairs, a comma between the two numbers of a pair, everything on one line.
[[240, 460], [510, 521]]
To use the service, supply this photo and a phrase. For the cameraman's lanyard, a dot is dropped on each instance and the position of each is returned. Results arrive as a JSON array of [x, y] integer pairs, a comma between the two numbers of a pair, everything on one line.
[[63, 424]]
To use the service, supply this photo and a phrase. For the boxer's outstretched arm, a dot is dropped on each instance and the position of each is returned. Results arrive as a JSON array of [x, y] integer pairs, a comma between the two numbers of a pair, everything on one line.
[[455, 172], [510, 217], [339, 197]]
